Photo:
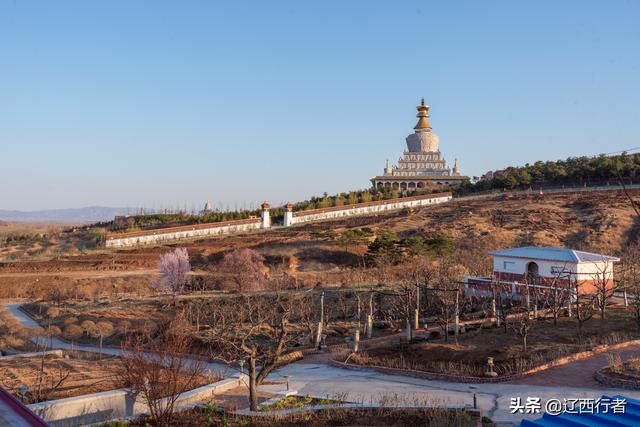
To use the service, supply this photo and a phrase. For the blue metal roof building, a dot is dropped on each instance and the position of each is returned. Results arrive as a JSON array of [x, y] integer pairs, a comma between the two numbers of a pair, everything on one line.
[[630, 417]]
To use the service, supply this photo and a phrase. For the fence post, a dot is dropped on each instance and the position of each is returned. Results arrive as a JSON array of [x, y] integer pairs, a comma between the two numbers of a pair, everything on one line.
[[266, 218], [457, 318], [319, 335], [416, 321], [288, 215]]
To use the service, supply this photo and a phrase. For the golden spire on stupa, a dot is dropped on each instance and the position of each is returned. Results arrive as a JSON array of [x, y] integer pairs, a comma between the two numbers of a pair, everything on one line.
[[423, 115]]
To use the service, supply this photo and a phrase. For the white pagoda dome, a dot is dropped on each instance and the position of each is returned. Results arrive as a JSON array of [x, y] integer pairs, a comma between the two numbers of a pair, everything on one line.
[[423, 140]]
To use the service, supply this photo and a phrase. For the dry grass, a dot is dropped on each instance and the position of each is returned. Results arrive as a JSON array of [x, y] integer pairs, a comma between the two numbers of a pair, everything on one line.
[[384, 416], [629, 370]]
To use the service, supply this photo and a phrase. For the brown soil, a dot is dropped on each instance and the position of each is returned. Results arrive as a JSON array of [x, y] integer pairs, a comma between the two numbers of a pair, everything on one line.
[[239, 398], [86, 375]]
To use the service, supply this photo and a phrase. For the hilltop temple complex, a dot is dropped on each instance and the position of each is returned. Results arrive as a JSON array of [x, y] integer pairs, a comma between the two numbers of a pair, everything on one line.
[[421, 166]]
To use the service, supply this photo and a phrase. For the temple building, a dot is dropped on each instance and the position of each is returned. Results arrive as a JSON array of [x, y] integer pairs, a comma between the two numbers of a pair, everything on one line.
[[421, 166]]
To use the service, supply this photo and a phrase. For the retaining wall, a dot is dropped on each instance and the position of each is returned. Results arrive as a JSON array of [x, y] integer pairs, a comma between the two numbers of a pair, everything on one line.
[[614, 382], [115, 404]]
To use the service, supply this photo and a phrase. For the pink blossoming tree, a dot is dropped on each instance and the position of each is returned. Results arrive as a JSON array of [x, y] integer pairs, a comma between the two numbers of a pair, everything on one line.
[[173, 267]]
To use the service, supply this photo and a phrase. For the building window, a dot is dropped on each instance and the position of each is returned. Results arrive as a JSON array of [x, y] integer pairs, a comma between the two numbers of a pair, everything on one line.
[[557, 270], [509, 266]]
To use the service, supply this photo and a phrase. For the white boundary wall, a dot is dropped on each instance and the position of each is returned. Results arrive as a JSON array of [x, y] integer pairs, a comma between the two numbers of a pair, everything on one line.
[[179, 233], [367, 208], [150, 237]]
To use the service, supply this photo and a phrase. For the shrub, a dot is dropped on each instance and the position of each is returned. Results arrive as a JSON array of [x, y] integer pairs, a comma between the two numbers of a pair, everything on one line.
[[70, 320], [53, 312], [88, 326], [614, 362], [72, 332]]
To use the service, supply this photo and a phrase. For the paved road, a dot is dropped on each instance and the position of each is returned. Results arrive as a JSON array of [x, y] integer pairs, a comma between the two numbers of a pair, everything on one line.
[[579, 373], [320, 380]]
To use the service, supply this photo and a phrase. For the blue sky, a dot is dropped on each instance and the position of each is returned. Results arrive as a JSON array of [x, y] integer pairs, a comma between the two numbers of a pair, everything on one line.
[[172, 103]]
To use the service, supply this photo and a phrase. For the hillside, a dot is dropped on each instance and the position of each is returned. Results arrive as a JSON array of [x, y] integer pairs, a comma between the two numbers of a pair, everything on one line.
[[601, 221]]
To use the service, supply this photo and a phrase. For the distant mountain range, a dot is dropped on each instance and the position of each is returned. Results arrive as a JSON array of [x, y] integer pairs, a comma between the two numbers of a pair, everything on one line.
[[74, 215]]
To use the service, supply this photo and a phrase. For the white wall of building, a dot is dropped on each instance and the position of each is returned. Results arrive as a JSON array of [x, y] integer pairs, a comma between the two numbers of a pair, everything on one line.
[[502, 264], [579, 270], [597, 270]]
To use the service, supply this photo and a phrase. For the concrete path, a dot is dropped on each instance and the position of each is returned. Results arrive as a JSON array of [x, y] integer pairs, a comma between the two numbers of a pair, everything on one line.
[[579, 373], [371, 387]]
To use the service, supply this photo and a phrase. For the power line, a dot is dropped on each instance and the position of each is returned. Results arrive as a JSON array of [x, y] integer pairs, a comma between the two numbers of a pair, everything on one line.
[[620, 152]]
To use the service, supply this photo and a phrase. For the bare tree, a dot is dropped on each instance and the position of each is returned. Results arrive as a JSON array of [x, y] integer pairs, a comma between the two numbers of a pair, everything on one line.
[[521, 325], [504, 306], [102, 330], [242, 270], [585, 306], [257, 330], [602, 280], [160, 369], [447, 293], [556, 295], [631, 278]]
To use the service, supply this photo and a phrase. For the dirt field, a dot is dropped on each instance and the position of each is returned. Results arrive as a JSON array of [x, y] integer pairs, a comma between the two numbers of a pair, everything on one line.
[[86, 374], [74, 374]]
